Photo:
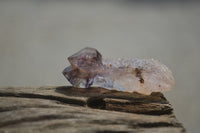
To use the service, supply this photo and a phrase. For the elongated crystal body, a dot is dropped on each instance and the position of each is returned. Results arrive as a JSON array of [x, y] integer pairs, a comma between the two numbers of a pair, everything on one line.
[[140, 75]]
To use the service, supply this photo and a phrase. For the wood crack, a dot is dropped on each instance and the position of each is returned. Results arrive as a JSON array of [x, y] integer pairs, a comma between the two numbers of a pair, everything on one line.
[[129, 106], [35, 119], [49, 97], [4, 109]]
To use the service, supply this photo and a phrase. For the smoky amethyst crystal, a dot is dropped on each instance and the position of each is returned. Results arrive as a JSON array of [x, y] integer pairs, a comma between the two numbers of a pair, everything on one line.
[[141, 75]]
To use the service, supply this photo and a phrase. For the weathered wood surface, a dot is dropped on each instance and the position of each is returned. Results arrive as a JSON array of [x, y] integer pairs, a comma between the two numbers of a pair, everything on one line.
[[76, 110]]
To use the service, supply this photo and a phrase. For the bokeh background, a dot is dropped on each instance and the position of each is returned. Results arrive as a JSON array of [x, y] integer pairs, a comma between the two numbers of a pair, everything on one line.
[[37, 36]]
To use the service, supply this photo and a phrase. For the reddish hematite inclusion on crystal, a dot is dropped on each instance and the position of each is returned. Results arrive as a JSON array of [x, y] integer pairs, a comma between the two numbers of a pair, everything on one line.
[[140, 75]]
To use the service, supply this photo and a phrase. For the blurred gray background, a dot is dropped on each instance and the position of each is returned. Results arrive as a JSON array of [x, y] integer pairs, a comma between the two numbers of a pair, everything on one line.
[[36, 37]]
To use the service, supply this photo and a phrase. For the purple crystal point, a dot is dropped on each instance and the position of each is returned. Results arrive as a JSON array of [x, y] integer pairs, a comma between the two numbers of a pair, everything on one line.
[[140, 75], [86, 59], [85, 64]]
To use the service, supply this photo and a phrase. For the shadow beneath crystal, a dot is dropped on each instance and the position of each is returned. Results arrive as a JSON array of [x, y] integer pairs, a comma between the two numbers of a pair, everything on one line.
[[84, 92], [105, 93]]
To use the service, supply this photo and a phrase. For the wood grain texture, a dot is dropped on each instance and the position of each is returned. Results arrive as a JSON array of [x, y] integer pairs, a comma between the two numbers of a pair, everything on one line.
[[76, 110]]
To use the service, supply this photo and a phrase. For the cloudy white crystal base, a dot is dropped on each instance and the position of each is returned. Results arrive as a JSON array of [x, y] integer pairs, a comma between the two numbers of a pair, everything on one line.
[[132, 75]]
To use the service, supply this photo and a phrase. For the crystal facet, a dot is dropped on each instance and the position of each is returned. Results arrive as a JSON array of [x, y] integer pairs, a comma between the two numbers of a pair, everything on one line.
[[139, 75]]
